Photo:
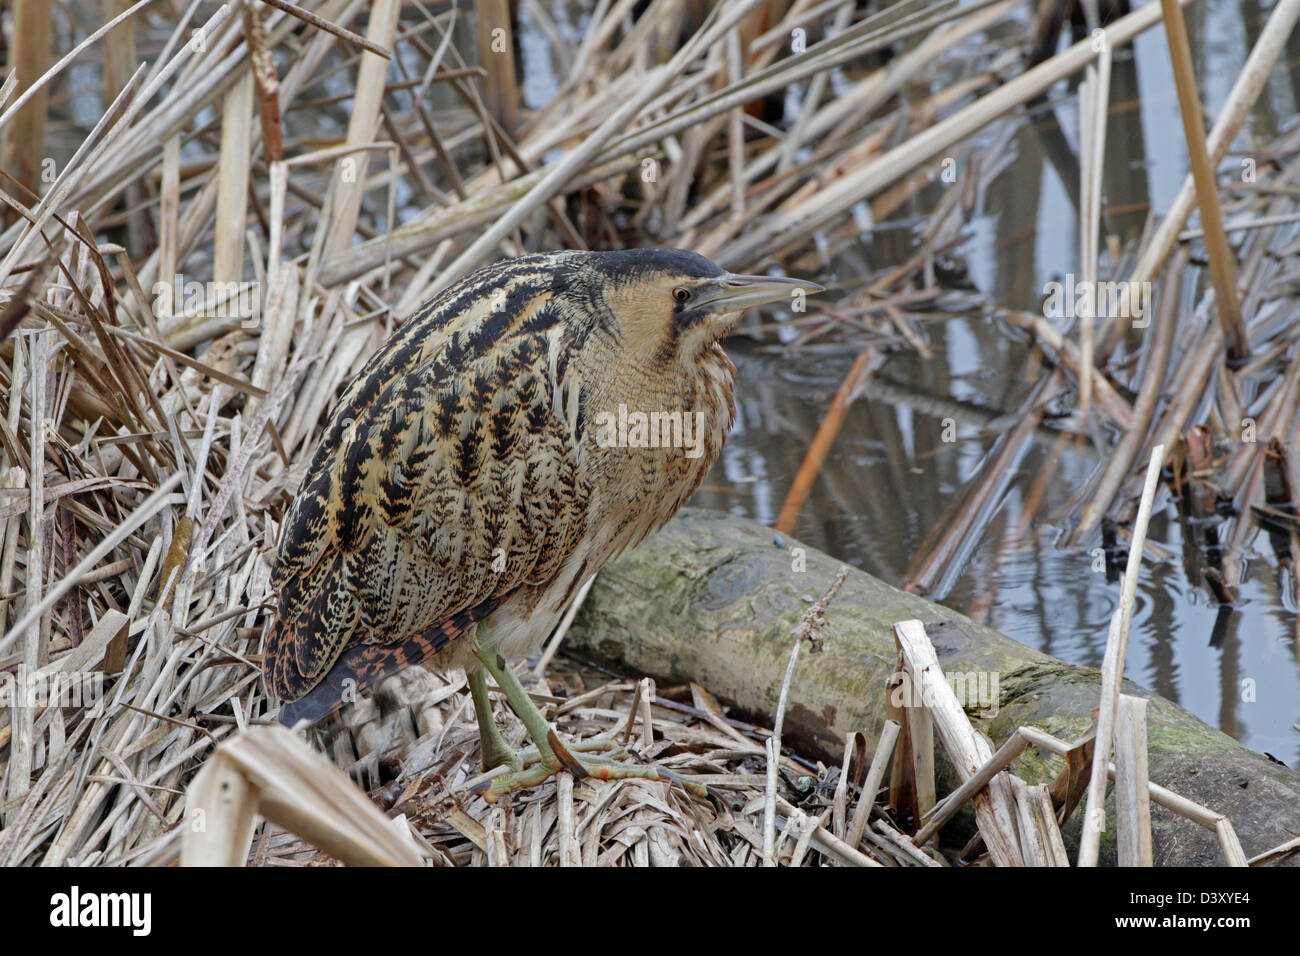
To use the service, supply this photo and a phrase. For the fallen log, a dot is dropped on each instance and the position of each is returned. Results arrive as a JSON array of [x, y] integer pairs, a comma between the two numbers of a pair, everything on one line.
[[715, 599]]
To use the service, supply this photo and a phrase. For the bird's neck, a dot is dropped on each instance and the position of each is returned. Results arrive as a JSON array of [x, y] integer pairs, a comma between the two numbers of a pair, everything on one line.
[[658, 431]]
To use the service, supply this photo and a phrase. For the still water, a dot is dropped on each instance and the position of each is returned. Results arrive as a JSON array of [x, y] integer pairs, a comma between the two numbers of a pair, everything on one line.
[[890, 480]]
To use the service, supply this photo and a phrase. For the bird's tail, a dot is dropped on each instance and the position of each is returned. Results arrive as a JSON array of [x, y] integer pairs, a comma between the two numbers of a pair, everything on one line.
[[363, 665], [316, 617]]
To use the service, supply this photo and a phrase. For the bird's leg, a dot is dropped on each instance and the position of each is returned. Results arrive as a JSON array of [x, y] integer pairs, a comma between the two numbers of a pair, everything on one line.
[[552, 754], [538, 729], [492, 746]]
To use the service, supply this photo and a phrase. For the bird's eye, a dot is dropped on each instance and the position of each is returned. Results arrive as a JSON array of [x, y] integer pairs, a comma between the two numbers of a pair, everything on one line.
[[680, 294]]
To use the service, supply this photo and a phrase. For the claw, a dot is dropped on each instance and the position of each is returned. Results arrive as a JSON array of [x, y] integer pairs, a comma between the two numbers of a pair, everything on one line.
[[690, 786], [566, 757]]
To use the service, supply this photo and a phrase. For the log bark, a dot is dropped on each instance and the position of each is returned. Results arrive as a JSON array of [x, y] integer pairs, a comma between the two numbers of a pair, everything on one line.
[[715, 599]]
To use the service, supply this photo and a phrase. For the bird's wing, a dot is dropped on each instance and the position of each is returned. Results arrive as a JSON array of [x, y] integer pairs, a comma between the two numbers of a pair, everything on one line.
[[437, 490], [361, 665]]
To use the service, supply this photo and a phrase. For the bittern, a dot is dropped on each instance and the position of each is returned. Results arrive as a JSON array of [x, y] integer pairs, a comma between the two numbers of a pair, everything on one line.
[[493, 455]]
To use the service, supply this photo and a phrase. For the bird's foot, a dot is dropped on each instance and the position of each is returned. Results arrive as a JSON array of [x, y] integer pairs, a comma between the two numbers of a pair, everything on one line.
[[581, 759], [497, 754], [549, 755]]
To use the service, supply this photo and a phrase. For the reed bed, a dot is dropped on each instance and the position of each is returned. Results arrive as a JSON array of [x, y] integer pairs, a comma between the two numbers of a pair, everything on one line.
[[422, 750], [268, 190]]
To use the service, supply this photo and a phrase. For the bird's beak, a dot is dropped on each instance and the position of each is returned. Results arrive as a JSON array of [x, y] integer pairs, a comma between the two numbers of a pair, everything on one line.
[[734, 293]]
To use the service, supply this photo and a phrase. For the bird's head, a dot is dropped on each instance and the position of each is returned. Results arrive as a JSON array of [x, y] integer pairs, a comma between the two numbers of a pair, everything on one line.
[[673, 305]]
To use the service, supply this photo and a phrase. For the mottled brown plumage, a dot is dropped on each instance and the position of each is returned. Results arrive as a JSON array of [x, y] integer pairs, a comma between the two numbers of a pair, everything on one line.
[[463, 474]]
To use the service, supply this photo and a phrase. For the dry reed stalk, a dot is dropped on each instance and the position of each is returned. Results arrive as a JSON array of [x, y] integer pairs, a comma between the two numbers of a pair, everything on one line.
[[1116, 406], [1132, 787], [920, 734], [1121, 458], [268, 771], [943, 811], [968, 751], [547, 186], [1207, 193], [855, 744], [1282, 849], [232, 182], [781, 230], [880, 761], [1245, 91], [1094, 96], [1057, 854], [306, 16], [561, 629], [1112, 668], [31, 21], [935, 560], [1033, 836], [827, 843], [362, 123], [496, 52], [1187, 809], [809, 629]]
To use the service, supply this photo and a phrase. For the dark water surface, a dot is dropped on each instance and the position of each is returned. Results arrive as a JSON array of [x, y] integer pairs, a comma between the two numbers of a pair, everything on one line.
[[890, 481]]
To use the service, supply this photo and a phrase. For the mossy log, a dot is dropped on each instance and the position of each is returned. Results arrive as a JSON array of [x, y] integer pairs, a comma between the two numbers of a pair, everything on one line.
[[714, 599]]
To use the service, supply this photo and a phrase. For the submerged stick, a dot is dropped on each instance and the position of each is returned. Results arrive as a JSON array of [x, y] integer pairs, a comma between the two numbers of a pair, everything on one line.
[[822, 442]]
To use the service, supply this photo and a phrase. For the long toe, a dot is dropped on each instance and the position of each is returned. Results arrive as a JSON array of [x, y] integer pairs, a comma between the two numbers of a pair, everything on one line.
[[581, 765]]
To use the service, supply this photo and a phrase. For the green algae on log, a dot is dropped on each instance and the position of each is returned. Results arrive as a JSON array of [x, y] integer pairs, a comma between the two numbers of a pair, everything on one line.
[[715, 599]]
